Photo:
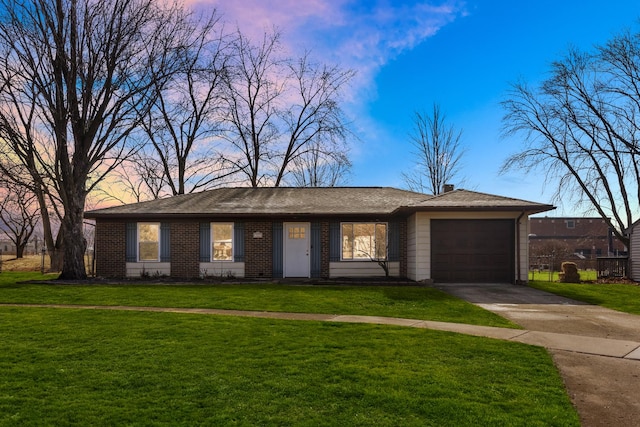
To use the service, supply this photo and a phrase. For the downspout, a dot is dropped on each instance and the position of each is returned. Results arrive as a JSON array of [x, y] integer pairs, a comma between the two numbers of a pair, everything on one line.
[[518, 267]]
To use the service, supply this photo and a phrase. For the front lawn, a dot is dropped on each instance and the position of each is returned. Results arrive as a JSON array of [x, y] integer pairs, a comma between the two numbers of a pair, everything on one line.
[[554, 276], [85, 367], [620, 297], [403, 301]]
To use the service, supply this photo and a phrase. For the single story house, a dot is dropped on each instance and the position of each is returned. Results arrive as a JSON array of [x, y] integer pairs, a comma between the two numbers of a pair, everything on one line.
[[457, 236]]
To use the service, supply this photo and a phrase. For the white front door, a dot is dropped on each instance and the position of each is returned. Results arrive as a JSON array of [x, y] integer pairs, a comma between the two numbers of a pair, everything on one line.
[[296, 249]]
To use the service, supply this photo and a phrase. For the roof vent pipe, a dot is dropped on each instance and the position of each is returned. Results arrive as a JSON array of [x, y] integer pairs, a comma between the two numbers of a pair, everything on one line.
[[447, 188]]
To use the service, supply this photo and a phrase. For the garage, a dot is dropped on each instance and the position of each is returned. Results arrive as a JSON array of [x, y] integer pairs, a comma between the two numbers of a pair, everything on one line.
[[478, 250]]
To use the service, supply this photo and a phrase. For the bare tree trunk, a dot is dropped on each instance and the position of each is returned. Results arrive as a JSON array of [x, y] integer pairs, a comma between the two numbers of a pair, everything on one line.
[[52, 246], [74, 249]]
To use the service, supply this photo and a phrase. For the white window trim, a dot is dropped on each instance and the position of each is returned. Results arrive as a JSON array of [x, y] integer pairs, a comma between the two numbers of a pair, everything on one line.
[[386, 237], [233, 243], [138, 241]]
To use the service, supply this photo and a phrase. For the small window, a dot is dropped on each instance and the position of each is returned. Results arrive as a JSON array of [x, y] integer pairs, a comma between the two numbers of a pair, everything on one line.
[[364, 241], [222, 241], [571, 223], [148, 241], [297, 232]]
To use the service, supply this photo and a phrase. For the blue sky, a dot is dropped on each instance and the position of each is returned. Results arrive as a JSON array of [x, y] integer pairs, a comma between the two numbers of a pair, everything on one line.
[[462, 55]]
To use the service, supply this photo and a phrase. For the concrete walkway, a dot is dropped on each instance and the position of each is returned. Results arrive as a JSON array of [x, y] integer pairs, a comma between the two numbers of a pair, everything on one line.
[[624, 349]]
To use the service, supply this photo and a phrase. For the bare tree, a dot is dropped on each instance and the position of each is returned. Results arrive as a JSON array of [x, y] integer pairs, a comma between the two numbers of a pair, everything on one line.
[[438, 152], [18, 214], [20, 167], [581, 128], [313, 119], [277, 109], [317, 167], [140, 178], [88, 67], [252, 88], [184, 119]]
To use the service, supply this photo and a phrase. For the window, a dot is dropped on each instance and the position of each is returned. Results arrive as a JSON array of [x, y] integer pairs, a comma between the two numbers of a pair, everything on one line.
[[222, 241], [364, 241], [148, 241], [571, 223], [297, 232]]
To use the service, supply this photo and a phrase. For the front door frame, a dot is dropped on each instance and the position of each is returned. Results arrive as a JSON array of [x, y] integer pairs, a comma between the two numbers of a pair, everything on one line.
[[297, 263]]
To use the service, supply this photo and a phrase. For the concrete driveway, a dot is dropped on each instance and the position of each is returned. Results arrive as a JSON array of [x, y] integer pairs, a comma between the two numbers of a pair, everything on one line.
[[537, 310], [603, 389]]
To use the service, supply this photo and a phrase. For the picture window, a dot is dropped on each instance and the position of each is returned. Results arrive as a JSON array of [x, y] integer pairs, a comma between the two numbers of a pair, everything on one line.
[[364, 241]]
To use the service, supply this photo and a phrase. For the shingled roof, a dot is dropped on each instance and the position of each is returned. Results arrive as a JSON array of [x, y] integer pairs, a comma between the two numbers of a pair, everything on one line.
[[287, 201], [471, 200], [272, 201]]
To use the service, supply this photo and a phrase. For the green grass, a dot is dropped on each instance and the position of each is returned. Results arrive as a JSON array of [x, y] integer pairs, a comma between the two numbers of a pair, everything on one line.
[[9, 278], [83, 367], [619, 297], [585, 275], [406, 302]]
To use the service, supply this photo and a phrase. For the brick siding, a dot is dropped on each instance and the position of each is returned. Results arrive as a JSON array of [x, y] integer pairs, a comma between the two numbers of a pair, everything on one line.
[[185, 250], [324, 249], [587, 235], [110, 249], [258, 252]]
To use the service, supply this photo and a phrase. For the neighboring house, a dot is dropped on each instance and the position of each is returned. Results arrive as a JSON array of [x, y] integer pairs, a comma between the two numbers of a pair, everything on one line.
[[634, 251], [458, 236], [7, 247], [585, 238]]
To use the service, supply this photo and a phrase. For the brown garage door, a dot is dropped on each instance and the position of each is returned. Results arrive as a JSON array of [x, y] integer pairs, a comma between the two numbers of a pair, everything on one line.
[[472, 250]]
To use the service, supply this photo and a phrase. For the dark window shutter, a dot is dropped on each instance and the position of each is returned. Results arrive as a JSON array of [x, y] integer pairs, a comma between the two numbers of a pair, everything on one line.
[[393, 244], [131, 242], [205, 242], [278, 250], [238, 242], [334, 241], [165, 242], [316, 249]]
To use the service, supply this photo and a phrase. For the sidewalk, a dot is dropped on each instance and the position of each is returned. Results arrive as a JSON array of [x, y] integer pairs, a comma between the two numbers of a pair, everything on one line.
[[622, 349]]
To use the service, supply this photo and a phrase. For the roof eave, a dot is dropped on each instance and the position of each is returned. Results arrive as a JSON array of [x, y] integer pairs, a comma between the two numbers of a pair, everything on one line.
[[243, 215], [530, 210]]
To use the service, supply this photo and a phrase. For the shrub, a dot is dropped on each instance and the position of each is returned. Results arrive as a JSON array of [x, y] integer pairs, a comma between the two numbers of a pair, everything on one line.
[[569, 273]]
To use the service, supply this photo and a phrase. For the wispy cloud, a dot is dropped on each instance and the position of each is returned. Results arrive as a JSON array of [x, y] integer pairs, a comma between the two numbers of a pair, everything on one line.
[[363, 35]]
